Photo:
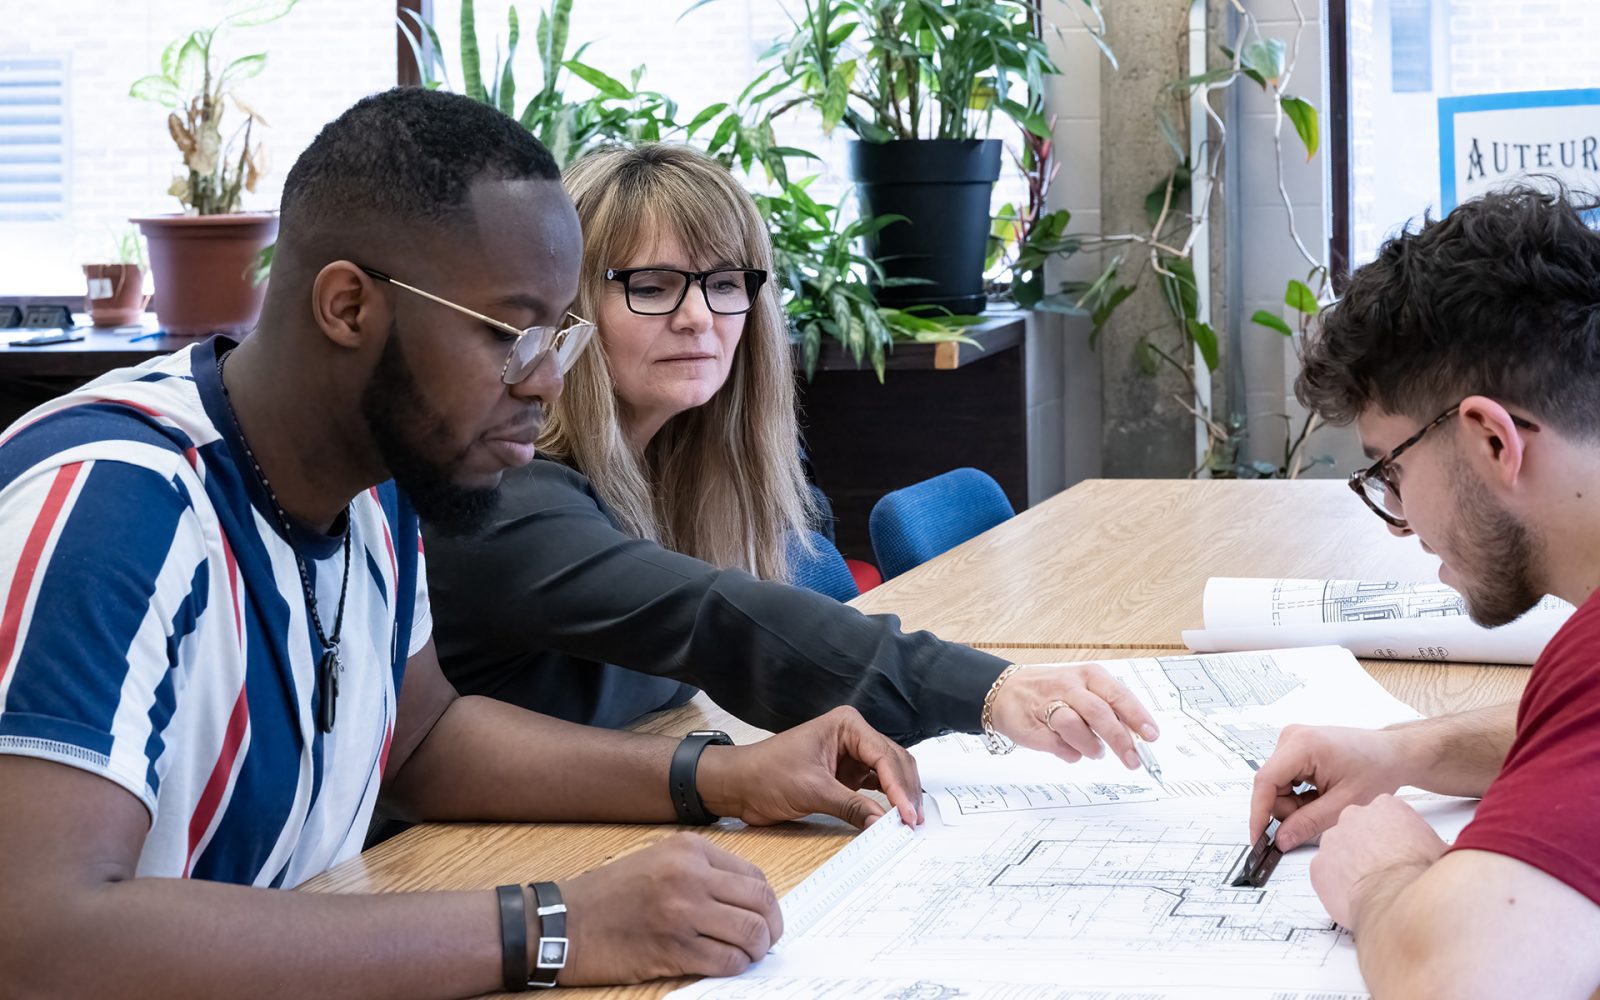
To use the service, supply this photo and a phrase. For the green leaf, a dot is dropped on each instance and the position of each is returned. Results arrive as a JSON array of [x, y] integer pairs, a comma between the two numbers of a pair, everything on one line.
[[1265, 58], [169, 59], [1300, 297], [704, 116], [1169, 132], [262, 12], [1145, 354], [608, 86], [155, 88], [723, 133], [1205, 339], [1304, 117], [471, 64], [244, 68], [1271, 321], [836, 95], [1246, 70], [508, 83], [1102, 313]]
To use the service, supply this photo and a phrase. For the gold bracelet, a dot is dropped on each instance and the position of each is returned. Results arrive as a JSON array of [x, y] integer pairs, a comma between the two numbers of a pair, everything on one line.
[[994, 742]]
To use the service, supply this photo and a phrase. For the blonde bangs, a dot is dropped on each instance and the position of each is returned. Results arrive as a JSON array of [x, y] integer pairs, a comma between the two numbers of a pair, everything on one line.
[[721, 482]]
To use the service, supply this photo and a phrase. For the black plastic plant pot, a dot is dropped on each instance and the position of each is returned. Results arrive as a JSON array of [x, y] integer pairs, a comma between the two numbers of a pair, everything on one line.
[[942, 187]]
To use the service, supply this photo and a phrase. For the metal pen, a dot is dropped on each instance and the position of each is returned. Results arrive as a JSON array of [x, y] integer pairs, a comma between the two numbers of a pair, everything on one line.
[[1147, 757]]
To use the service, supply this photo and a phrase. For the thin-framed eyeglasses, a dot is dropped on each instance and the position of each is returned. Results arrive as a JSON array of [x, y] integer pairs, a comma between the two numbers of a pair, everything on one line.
[[659, 291], [531, 344], [1376, 484]]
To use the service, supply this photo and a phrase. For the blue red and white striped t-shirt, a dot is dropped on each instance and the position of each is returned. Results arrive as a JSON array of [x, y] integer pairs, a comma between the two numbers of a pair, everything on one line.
[[154, 629]]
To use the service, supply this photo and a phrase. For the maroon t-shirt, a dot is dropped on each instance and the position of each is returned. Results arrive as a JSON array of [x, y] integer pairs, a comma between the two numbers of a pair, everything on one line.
[[1544, 806]]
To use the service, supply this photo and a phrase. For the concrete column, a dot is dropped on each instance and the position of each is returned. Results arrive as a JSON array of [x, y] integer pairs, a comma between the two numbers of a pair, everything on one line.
[[1145, 432]]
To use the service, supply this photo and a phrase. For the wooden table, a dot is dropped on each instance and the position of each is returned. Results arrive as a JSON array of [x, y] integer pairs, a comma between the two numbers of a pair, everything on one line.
[[1114, 560], [1124, 562], [481, 855]]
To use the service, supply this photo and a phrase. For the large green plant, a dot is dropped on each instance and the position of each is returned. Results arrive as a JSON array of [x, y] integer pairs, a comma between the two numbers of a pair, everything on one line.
[[198, 85], [567, 126], [919, 69], [822, 277]]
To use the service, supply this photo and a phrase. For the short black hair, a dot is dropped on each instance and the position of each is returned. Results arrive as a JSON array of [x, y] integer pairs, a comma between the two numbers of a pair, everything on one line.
[[1501, 297], [406, 154]]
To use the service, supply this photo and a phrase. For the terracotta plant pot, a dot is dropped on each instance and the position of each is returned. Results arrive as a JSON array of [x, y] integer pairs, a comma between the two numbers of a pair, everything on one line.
[[116, 293], [201, 265]]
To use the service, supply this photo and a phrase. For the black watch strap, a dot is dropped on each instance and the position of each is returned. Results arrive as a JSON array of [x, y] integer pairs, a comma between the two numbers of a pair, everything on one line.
[[513, 938], [551, 955], [686, 801]]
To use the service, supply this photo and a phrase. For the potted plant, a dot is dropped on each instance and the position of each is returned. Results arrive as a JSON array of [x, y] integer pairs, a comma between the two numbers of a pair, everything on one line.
[[203, 256], [116, 290], [919, 82]]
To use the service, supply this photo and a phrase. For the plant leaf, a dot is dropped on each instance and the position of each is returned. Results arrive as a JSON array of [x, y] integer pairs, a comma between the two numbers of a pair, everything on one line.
[[243, 68], [1304, 117], [1299, 297], [471, 64], [155, 88], [607, 85], [1265, 58], [1271, 321], [260, 12], [704, 116], [1205, 339]]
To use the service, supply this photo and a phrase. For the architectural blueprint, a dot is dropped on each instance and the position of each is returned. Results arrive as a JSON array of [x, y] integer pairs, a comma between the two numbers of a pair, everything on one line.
[[1378, 619], [1219, 716], [1124, 901]]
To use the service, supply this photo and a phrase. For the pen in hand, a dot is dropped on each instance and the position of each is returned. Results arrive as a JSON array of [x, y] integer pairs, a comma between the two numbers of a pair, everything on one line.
[[1147, 757]]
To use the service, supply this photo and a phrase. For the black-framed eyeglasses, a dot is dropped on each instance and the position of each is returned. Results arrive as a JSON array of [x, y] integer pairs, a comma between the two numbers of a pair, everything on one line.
[[532, 344], [659, 291], [1376, 485]]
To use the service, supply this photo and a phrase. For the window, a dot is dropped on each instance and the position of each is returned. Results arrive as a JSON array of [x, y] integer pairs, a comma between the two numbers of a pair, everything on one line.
[[117, 159], [33, 138], [1403, 56]]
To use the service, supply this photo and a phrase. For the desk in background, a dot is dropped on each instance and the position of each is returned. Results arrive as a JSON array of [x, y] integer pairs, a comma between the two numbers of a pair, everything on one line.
[[1124, 562], [33, 375]]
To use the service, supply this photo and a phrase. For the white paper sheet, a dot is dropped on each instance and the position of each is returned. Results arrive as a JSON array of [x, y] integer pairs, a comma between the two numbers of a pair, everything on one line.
[[1219, 717], [1376, 619], [1120, 902]]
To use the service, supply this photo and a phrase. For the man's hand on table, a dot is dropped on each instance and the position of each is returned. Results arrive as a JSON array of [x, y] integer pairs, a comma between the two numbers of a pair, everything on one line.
[[1096, 710], [1346, 767], [819, 766]]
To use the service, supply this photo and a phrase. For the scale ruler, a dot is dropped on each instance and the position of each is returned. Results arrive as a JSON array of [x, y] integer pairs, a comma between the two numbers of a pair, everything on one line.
[[811, 900]]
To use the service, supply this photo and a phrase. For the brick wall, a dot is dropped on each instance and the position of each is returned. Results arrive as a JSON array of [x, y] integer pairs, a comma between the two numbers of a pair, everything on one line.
[[321, 58]]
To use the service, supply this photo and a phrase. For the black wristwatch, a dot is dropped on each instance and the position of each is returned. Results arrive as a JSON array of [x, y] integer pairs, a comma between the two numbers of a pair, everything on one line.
[[551, 955], [686, 799]]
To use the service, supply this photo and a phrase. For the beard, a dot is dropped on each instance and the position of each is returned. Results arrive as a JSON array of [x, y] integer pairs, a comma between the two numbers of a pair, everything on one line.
[[403, 425], [1496, 553]]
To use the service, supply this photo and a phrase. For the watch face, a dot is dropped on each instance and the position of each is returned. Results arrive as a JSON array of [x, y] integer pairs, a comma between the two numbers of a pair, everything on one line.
[[552, 953], [717, 736]]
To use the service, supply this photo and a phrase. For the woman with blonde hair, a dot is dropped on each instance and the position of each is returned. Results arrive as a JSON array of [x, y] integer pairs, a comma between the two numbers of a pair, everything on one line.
[[642, 555]]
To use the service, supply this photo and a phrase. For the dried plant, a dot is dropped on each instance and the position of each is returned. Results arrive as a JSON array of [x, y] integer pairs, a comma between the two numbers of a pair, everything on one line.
[[216, 170]]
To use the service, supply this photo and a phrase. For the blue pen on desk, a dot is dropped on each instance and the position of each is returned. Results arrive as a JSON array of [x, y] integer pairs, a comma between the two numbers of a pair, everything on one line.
[[154, 334]]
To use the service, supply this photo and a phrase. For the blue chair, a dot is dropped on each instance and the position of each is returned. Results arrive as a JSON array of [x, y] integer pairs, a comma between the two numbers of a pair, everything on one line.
[[914, 524], [822, 569]]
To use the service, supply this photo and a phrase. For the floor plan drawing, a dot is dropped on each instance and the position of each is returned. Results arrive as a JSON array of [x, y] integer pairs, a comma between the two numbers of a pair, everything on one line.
[[1385, 619], [1117, 901], [1219, 716]]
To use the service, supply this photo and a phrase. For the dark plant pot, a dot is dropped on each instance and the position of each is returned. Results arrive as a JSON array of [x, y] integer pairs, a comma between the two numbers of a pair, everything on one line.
[[201, 265], [116, 293], [942, 187]]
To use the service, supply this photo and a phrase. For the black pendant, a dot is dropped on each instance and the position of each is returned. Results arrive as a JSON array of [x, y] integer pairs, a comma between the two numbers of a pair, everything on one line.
[[327, 689]]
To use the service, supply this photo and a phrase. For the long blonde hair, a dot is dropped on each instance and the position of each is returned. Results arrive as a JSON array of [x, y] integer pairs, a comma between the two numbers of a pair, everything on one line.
[[723, 481]]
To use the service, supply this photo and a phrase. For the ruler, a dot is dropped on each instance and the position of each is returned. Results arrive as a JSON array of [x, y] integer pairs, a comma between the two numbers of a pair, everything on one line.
[[811, 900]]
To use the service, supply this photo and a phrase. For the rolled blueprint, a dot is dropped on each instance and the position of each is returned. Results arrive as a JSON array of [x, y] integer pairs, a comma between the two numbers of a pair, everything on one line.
[[1384, 620]]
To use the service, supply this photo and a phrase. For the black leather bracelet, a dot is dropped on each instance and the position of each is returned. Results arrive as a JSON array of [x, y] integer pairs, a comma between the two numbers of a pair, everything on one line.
[[686, 801], [551, 955], [513, 938]]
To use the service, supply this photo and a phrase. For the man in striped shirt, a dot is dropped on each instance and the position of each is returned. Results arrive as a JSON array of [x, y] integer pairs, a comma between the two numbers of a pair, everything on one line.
[[211, 591]]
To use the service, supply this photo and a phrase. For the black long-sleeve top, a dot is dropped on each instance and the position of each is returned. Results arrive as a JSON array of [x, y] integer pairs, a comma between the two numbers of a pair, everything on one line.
[[558, 610]]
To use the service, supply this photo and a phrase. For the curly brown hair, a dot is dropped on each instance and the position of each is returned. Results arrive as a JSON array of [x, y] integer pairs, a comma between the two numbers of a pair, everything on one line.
[[1500, 297]]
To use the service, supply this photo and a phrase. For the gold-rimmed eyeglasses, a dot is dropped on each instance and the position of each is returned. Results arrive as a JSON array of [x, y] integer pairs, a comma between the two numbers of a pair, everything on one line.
[[531, 344]]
